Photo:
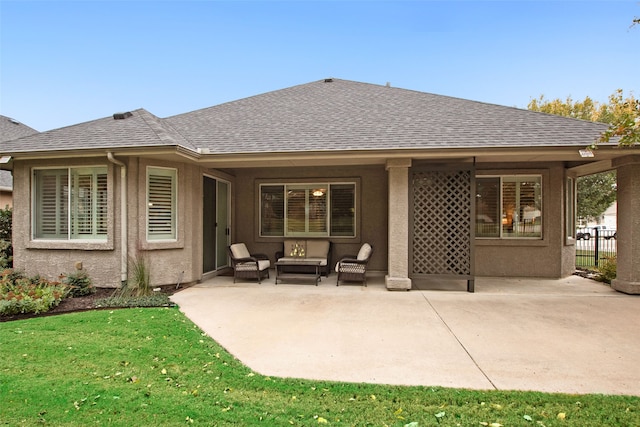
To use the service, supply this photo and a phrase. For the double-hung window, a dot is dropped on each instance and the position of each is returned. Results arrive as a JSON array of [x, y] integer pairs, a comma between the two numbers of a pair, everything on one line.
[[70, 203], [509, 206], [308, 209], [162, 204]]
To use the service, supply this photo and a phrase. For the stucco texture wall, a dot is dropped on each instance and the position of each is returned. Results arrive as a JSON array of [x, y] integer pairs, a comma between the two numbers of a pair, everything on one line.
[[371, 208], [102, 261], [550, 257]]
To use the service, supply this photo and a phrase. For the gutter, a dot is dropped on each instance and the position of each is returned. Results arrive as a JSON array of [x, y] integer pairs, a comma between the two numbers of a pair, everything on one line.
[[123, 217]]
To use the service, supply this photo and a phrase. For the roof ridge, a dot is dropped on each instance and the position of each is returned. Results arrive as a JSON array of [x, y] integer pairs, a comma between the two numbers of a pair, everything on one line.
[[164, 131]]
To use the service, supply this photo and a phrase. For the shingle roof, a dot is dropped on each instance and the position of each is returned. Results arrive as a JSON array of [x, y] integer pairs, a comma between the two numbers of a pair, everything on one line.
[[11, 129], [326, 116], [141, 129], [348, 115]]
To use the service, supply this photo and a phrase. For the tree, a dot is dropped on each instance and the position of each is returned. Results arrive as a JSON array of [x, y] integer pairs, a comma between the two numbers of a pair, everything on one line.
[[623, 117], [597, 192]]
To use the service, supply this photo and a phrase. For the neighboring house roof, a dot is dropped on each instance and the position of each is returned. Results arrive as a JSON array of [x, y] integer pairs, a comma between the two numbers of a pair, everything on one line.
[[11, 129], [328, 115]]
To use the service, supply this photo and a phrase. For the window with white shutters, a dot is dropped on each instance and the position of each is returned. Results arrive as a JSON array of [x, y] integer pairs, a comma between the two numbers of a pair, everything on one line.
[[509, 206], [310, 209], [161, 203], [70, 203]]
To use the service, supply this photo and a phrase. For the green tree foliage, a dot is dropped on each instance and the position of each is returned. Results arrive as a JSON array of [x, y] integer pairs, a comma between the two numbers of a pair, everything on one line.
[[595, 194]]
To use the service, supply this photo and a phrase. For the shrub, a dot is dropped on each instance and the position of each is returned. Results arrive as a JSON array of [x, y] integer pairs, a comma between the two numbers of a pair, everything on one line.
[[608, 269], [140, 282], [79, 284], [20, 294], [6, 248]]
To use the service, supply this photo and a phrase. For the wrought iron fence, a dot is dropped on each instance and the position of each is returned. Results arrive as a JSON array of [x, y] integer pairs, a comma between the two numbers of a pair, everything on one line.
[[595, 245]]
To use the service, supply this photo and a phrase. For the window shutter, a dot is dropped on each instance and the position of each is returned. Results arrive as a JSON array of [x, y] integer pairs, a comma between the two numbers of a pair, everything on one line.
[[488, 217], [51, 215], [343, 207], [272, 210], [161, 204]]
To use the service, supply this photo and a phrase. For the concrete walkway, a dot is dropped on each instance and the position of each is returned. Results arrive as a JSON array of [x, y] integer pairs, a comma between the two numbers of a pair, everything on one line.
[[571, 335]]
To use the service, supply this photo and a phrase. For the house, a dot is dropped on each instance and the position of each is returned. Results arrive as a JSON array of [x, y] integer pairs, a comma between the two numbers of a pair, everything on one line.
[[10, 129], [441, 187]]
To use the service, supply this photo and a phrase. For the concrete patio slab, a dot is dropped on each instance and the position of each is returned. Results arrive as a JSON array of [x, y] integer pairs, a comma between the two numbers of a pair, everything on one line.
[[570, 335]]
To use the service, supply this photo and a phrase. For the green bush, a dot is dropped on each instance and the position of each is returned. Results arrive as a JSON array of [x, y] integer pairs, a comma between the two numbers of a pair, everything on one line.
[[608, 269], [79, 284], [6, 248], [20, 294]]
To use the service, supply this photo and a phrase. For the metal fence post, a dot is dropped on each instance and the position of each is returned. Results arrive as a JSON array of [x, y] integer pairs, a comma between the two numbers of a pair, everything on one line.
[[597, 247]]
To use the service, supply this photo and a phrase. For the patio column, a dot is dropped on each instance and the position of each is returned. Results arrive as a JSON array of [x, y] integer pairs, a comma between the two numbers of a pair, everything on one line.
[[398, 262], [628, 271]]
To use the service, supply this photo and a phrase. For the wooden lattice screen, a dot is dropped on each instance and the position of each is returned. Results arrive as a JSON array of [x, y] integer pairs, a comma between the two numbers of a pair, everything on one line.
[[442, 234]]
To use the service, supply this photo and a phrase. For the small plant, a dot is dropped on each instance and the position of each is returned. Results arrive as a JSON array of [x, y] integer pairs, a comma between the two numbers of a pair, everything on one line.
[[20, 294], [139, 283], [79, 284], [608, 269]]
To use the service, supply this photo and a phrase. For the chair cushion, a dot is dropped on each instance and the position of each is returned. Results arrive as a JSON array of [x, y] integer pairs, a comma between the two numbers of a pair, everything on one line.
[[239, 250], [263, 264], [317, 248], [364, 252]]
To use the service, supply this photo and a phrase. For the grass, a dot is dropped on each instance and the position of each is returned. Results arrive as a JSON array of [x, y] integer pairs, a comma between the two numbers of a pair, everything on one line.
[[152, 366]]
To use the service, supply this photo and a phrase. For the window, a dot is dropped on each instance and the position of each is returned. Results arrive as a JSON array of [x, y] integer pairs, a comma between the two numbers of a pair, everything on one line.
[[161, 203], [70, 203], [509, 207], [307, 210]]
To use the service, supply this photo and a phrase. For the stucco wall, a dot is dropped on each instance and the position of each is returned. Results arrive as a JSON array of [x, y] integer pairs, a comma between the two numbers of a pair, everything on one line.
[[102, 261], [550, 257], [372, 209]]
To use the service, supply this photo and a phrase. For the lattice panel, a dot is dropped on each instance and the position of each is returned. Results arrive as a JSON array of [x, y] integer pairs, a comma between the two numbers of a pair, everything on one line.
[[442, 207]]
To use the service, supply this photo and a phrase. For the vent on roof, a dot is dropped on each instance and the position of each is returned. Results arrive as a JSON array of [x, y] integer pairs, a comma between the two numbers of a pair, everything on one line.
[[328, 80], [122, 116]]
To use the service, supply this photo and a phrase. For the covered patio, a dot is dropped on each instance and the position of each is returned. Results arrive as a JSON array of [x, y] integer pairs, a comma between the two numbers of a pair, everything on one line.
[[552, 335]]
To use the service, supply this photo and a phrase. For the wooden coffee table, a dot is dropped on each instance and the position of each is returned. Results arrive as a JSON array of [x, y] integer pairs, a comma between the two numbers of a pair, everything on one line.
[[298, 275]]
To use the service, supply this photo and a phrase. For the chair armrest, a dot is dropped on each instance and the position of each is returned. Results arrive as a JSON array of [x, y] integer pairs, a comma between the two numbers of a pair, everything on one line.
[[279, 254], [259, 256], [354, 260], [248, 259]]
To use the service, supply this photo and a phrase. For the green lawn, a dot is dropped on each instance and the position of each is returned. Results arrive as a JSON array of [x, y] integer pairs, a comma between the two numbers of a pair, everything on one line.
[[153, 367]]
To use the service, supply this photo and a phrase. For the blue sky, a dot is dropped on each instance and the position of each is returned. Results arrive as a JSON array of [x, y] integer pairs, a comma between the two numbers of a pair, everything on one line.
[[63, 63]]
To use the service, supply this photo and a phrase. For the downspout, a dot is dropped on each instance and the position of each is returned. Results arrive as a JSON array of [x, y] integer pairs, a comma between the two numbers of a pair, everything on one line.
[[123, 216]]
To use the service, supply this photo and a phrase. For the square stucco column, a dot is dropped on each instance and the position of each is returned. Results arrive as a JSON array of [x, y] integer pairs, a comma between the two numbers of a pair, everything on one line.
[[398, 262], [628, 258]]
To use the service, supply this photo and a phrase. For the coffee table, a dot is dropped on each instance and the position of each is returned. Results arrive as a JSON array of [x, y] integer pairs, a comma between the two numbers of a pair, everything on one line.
[[298, 275]]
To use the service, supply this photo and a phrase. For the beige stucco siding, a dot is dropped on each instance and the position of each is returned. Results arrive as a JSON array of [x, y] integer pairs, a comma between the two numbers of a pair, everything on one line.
[[551, 256], [371, 209], [102, 261]]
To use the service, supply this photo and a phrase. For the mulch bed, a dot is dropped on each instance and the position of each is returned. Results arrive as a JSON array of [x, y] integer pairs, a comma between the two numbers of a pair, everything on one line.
[[84, 303]]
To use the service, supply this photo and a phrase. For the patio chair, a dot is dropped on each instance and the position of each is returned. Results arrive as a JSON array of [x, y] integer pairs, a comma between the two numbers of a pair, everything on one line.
[[246, 265], [354, 268]]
